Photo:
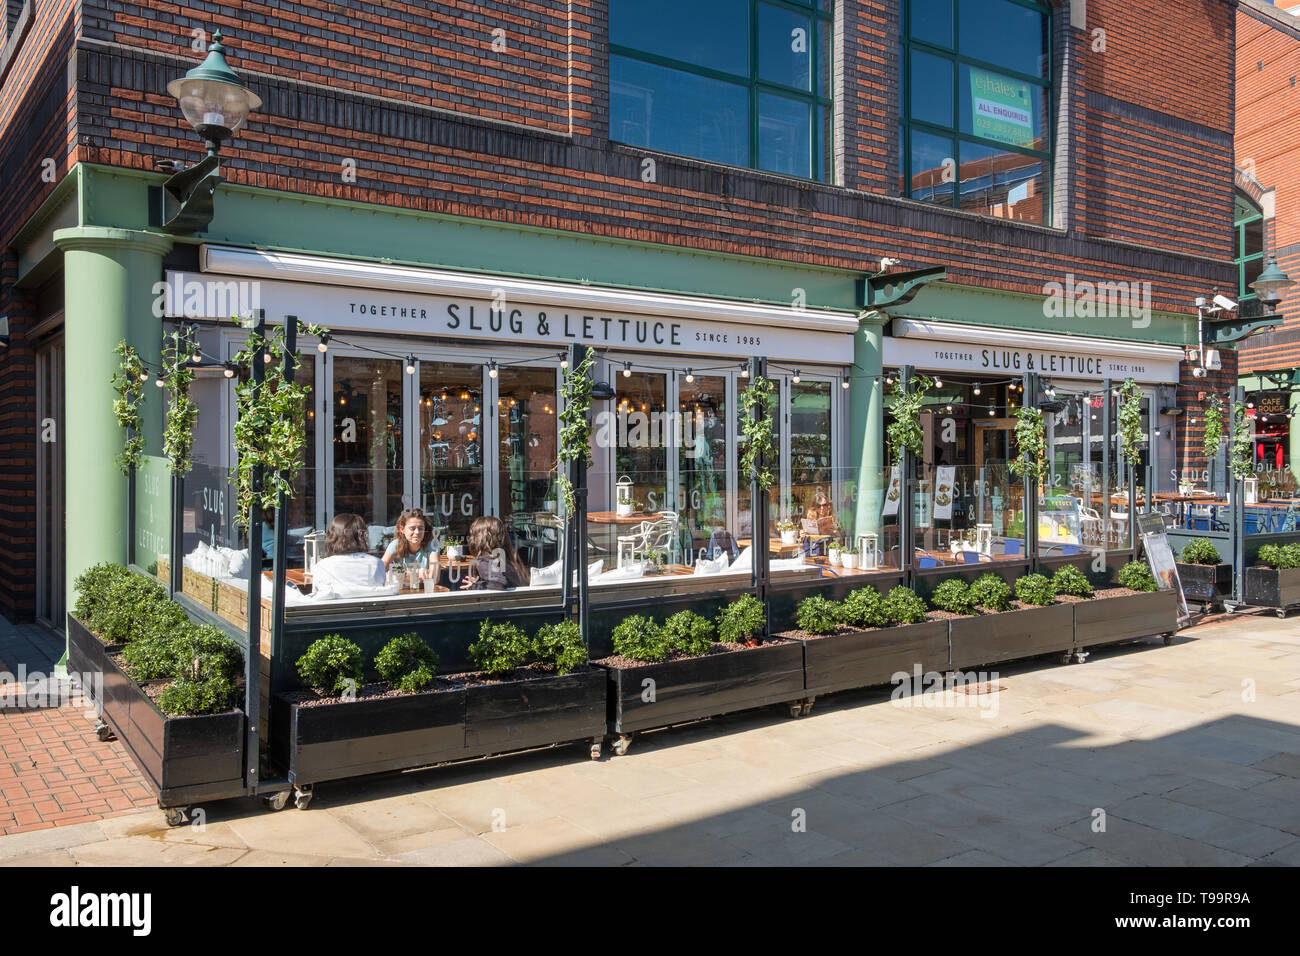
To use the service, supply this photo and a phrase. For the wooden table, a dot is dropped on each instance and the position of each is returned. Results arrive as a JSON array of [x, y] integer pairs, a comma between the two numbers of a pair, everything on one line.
[[298, 577], [774, 545], [612, 517]]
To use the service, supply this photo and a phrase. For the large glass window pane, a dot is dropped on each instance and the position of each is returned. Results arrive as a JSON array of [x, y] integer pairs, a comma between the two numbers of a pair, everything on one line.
[[702, 463], [367, 438], [1002, 109], [931, 89], [451, 445], [1001, 183], [526, 445], [785, 47], [810, 457], [933, 168], [784, 135], [714, 35], [932, 21], [678, 112], [644, 432], [1254, 245], [1003, 33]]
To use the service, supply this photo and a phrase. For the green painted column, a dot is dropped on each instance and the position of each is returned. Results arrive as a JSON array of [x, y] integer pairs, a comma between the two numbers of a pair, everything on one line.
[[866, 422], [1293, 435], [108, 277]]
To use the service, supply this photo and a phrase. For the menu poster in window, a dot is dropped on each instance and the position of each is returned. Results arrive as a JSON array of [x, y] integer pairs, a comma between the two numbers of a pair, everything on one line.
[[893, 494], [945, 478], [1160, 557], [1001, 108]]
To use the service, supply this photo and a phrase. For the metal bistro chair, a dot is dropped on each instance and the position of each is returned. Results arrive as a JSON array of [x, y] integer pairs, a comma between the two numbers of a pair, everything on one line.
[[657, 535]]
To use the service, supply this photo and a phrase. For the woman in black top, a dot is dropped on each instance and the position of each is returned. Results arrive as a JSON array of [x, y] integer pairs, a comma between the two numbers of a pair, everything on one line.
[[495, 565]]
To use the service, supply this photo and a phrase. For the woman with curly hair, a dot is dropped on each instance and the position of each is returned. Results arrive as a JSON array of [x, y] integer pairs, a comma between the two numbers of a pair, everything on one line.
[[347, 562]]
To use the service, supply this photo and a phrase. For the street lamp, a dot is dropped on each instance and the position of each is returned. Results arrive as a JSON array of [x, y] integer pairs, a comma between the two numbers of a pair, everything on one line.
[[213, 99], [1272, 282]]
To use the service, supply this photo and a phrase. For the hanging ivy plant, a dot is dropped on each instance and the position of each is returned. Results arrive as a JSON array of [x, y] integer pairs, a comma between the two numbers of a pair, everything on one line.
[[1213, 427], [904, 432], [129, 383], [575, 424], [1031, 445], [182, 412], [1130, 420], [270, 427], [1241, 456], [756, 426]]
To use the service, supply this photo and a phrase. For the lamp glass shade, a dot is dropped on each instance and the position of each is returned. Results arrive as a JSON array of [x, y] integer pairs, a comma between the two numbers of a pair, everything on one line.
[[1271, 282], [216, 109]]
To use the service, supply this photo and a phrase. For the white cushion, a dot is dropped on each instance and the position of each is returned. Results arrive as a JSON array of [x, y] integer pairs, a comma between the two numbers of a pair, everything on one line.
[[337, 592], [791, 564], [744, 561], [716, 566], [629, 573], [548, 576], [237, 561], [593, 569]]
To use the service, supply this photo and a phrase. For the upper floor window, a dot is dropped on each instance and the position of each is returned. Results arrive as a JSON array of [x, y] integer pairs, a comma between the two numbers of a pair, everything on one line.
[[740, 82], [1248, 252], [975, 106]]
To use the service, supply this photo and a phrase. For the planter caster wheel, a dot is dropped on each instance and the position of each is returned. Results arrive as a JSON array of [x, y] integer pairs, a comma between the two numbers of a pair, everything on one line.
[[1167, 638], [807, 707], [276, 801], [1281, 614], [104, 732], [596, 743], [175, 816], [796, 708], [620, 745], [302, 796]]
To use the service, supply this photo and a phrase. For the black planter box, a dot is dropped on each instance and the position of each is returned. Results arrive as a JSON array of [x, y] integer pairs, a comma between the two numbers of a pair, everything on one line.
[[1207, 583], [1268, 587], [707, 686], [991, 638], [1107, 620], [186, 759], [864, 658], [351, 738]]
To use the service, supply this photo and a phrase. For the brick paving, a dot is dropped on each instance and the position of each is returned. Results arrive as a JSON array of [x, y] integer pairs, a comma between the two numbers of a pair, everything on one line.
[[54, 771]]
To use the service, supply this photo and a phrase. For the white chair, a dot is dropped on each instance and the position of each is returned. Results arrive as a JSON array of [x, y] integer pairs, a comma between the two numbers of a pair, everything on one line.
[[657, 535]]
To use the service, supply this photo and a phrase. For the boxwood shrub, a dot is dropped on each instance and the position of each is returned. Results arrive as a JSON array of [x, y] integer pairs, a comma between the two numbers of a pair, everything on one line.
[[1200, 551], [864, 608], [1136, 576], [954, 596], [687, 633], [742, 620], [903, 606], [640, 638], [818, 615], [1035, 589], [329, 663], [501, 647], [991, 592], [561, 646], [1070, 580], [406, 662], [1280, 557]]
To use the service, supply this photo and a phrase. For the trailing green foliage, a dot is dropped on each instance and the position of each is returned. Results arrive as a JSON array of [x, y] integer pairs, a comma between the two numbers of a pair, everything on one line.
[[187, 697], [1070, 580], [1129, 420], [128, 382], [954, 596], [742, 620], [406, 662], [1136, 576], [991, 592], [575, 423], [1035, 589], [756, 430], [818, 615], [179, 347], [903, 606], [1213, 427], [1200, 551], [864, 608], [904, 432], [561, 646], [1280, 557], [1241, 455], [1031, 445], [688, 633], [329, 664], [121, 606], [640, 638], [501, 647], [270, 425], [184, 651]]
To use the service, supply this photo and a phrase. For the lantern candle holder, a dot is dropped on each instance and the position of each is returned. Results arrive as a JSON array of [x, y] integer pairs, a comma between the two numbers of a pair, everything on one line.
[[868, 551], [623, 499]]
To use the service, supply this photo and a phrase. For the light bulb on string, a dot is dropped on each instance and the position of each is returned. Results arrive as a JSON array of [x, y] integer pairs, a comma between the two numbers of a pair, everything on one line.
[[160, 381], [627, 369], [690, 375], [410, 365], [266, 358], [492, 369], [228, 369], [795, 379], [976, 389], [144, 376], [324, 344]]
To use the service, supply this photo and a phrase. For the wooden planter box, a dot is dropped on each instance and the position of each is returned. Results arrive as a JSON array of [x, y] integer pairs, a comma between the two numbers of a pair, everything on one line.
[[1206, 583], [1268, 587], [351, 738], [706, 686], [1108, 620], [864, 658], [186, 759], [991, 638]]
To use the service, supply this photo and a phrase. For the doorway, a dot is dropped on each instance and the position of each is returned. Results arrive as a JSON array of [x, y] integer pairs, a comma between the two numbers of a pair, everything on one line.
[[50, 518]]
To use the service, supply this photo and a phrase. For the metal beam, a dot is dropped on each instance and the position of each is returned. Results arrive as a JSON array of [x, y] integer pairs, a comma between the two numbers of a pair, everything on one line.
[[1234, 330], [896, 288]]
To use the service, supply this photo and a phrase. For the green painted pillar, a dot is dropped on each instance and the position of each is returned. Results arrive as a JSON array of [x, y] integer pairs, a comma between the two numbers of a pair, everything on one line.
[[108, 277], [866, 423], [1293, 435]]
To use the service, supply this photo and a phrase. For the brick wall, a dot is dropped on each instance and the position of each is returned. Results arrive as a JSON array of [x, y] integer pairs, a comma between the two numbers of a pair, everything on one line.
[[1193, 394], [17, 452]]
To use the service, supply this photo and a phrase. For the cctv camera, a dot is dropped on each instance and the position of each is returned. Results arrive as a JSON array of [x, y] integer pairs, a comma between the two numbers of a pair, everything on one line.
[[887, 263], [1198, 372], [1224, 303]]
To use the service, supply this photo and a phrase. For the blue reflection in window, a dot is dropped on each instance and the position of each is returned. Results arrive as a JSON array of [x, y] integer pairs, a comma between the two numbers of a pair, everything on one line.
[[784, 135], [1003, 33], [785, 47], [714, 34]]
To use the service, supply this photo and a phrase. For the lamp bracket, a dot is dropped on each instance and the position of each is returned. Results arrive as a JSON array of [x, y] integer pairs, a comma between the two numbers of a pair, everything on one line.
[[187, 197]]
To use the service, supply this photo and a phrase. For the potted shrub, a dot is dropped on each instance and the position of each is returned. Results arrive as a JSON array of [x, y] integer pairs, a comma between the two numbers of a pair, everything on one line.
[[169, 689], [1133, 609], [1275, 580], [849, 559], [1034, 623], [452, 547], [833, 554], [866, 640], [1204, 577], [687, 668], [786, 528], [527, 692]]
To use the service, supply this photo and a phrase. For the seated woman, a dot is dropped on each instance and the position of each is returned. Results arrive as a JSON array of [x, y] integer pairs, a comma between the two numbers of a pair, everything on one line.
[[347, 564], [495, 566], [413, 547]]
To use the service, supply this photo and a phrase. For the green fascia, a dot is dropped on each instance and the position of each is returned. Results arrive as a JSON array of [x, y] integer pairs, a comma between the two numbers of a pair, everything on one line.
[[287, 222], [967, 305]]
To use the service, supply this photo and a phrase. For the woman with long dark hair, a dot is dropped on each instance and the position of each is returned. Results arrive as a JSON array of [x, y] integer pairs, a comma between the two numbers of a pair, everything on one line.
[[495, 564], [347, 562], [413, 546]]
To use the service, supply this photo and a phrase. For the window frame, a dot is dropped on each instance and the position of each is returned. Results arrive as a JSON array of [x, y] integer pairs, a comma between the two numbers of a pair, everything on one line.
[[819, 18], [907, 44], [1244, 293]]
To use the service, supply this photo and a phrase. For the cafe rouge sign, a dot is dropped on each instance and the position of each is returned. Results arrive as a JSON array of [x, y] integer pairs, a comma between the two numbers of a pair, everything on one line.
[[339, 308], [1074, 362]]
